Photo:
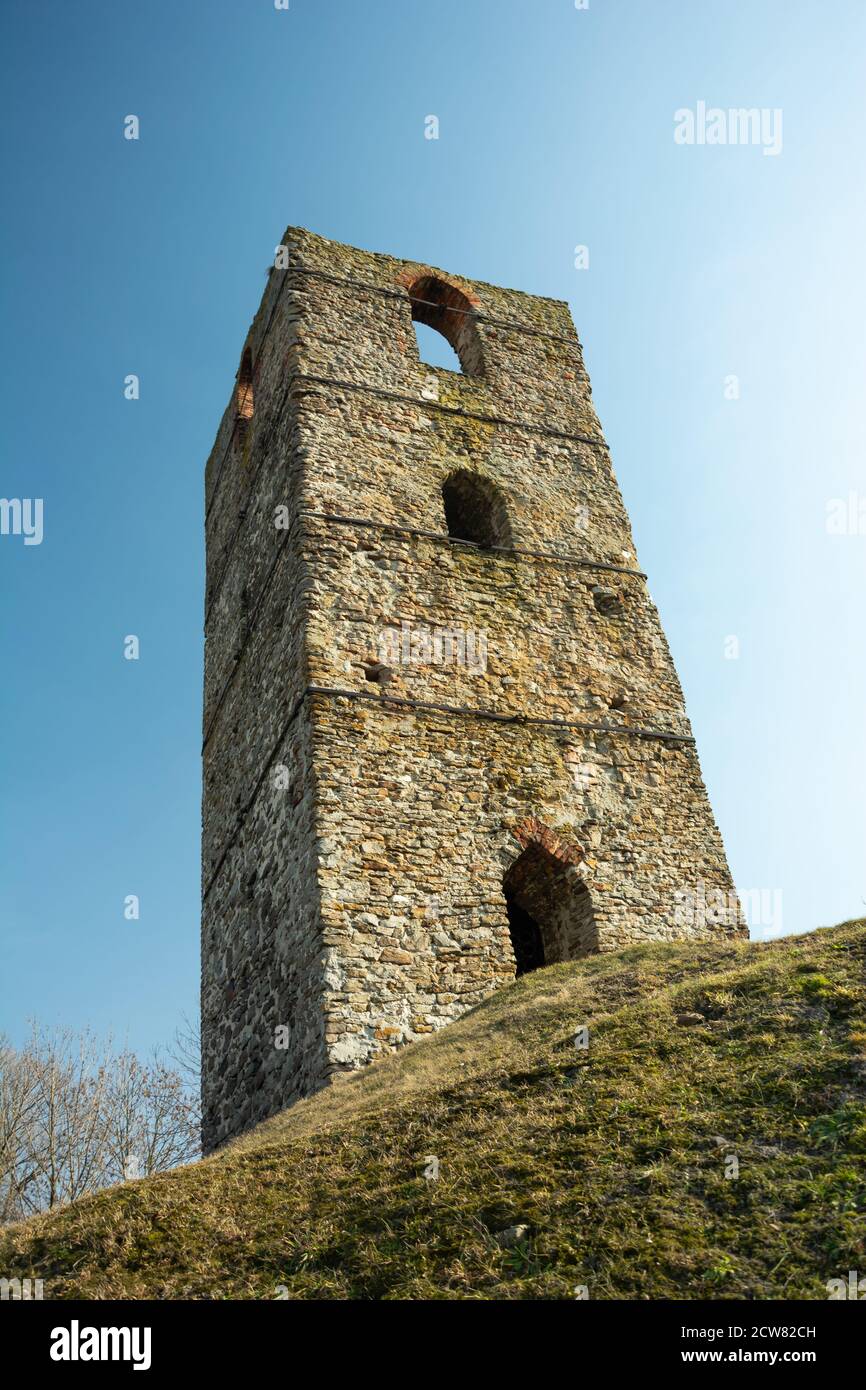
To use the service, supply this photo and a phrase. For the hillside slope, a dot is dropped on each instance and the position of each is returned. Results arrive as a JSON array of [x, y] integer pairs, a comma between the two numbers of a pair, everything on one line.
[[613, 1158]]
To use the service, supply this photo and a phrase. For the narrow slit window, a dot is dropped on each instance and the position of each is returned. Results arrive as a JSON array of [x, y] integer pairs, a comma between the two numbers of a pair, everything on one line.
[[244, 392]]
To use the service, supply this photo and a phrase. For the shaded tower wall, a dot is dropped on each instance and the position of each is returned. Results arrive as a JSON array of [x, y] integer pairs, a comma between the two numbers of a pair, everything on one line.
[[418, 742]]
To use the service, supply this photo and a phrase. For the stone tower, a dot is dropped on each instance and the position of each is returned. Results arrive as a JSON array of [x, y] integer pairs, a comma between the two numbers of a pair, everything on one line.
[[444, 740]]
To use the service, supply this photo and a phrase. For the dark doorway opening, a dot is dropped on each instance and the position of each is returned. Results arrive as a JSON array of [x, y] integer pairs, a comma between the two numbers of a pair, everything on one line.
[[550, 911], [475, 510], [525, 938]]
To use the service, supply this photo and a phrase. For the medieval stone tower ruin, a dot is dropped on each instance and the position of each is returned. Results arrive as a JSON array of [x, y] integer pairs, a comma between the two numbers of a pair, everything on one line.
[[444, 740]]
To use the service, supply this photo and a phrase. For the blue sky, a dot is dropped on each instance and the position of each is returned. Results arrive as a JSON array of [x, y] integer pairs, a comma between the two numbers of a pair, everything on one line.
[[556, 129]]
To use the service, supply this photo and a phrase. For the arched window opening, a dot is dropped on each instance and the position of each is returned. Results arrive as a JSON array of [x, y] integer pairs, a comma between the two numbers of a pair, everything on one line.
[[434, 350], [550, 913], [475, 510], [244, 392], [448, 312]]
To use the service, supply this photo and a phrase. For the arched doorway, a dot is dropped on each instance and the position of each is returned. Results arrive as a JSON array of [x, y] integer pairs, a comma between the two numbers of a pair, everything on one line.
[[550, 913]]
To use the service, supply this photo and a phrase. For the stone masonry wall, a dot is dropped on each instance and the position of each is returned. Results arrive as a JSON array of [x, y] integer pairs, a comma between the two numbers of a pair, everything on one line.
[[394, 717]]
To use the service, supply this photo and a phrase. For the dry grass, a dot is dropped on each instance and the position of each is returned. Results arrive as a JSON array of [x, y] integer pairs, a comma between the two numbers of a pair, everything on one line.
[[613, 1158]]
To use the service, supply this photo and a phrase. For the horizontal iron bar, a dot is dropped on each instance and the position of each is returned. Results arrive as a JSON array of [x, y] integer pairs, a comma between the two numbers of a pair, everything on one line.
[[571, 339], [474, 545], [387, 394], [385, 701], [496, 717]]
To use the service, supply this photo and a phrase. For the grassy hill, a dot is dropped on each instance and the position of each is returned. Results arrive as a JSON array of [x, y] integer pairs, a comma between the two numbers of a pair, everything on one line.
[[613, 1159]]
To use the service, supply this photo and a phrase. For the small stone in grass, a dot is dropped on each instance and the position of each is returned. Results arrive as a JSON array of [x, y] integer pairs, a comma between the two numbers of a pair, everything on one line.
[[511, 1236]]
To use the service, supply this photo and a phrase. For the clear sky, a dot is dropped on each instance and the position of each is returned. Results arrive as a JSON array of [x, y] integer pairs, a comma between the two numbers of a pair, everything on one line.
[[556, 129]]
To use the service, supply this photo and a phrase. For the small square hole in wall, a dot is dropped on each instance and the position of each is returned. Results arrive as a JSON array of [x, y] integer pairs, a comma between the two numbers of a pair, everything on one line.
[[606, 600]]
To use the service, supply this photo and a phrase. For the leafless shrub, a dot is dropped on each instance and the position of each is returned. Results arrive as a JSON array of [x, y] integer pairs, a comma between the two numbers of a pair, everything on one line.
[[77, 1115]]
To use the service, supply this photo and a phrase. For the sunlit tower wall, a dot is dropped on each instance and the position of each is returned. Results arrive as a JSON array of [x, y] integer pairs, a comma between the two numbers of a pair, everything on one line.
[[444, 740]]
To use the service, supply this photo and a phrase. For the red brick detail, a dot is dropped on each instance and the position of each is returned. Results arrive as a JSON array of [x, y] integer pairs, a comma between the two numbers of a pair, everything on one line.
[[532, 831], [409, 278]]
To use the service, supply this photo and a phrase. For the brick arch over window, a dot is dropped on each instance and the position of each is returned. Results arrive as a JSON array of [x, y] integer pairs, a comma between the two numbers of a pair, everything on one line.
[[475, 509], [450, 312], [550, 911]]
